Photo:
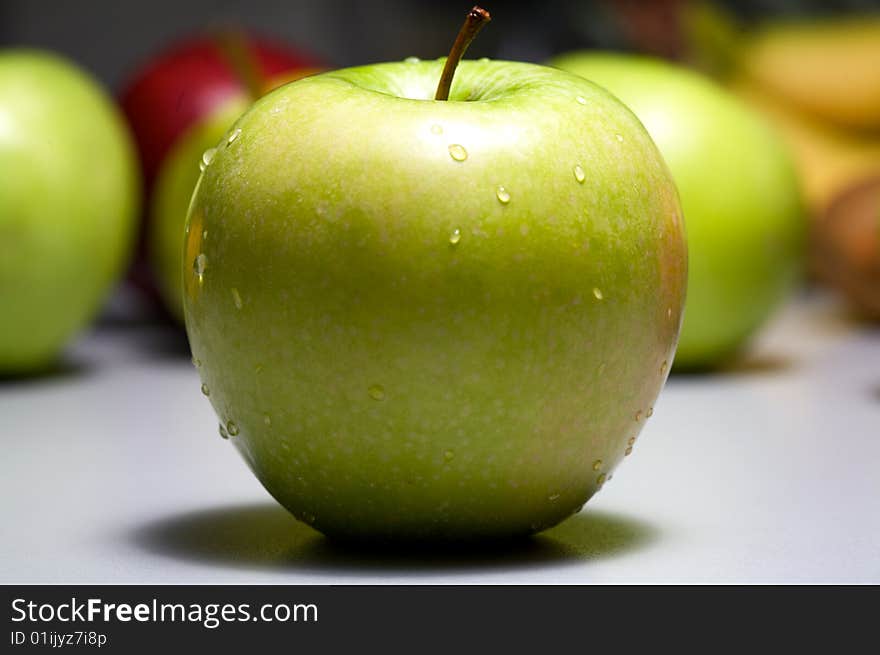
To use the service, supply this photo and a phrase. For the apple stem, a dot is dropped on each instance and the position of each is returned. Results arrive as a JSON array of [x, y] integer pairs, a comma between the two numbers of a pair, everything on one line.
[[235, 49], [473, 23]]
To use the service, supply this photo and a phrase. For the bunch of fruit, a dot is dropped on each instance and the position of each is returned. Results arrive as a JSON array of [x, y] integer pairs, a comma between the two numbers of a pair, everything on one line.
[[425, 298], [823, 81], [818, 82]]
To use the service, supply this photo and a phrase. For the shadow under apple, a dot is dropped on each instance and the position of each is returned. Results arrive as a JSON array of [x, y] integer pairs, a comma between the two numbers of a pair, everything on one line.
[[266, 536], [65, 368], [163, 341], [739, 364], [153, 339]]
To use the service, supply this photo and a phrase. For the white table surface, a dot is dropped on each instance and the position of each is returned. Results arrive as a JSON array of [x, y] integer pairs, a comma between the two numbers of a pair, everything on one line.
[[112, 472]]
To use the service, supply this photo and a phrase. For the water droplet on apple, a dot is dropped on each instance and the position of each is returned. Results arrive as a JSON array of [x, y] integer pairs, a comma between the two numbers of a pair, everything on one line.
[[196, 361], [619, 137], [597, 292], [581, 100], [236, 298], [455, 237], [231, 428], [502, 194], [663, 367], [631, 441], [553, 498], [267, 419], [205, 235], [638, 416], [449, 455], [412, 60], [200, 265], [601, 479], [377, 392], [205, 390], [483, 60], [436, 129], [597, 464], [457, 152], [628, 451], [207, 158], [669, 312], [650, 412], [232, 137], [579, 174], [223, 432]]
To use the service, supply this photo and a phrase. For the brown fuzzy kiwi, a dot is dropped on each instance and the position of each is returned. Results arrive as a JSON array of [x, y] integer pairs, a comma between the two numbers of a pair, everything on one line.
[[845, 246]]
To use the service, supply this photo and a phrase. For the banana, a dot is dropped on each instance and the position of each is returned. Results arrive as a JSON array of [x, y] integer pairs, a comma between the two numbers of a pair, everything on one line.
[[828, 68], [829, 159]]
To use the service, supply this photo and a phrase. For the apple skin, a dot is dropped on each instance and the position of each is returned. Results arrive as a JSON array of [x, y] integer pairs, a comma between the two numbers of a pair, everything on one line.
[[171, 197], [68, 206], [178, 105], [740, 193], [396, 352]]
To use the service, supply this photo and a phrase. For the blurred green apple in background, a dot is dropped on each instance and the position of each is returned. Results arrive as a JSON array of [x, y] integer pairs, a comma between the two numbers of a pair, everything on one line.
[[68, 203], [739, 190], [434, 319]]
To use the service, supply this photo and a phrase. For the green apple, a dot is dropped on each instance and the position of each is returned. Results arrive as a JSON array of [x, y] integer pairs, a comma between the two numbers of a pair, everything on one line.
[[67, 207], [739, 191], [434, 319]]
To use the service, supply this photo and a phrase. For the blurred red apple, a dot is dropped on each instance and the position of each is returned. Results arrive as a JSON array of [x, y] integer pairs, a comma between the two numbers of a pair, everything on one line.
[[189, 81], [198, 85]]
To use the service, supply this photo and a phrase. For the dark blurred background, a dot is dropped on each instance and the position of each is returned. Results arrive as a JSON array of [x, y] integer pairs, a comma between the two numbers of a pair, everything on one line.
[[111, 37]]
